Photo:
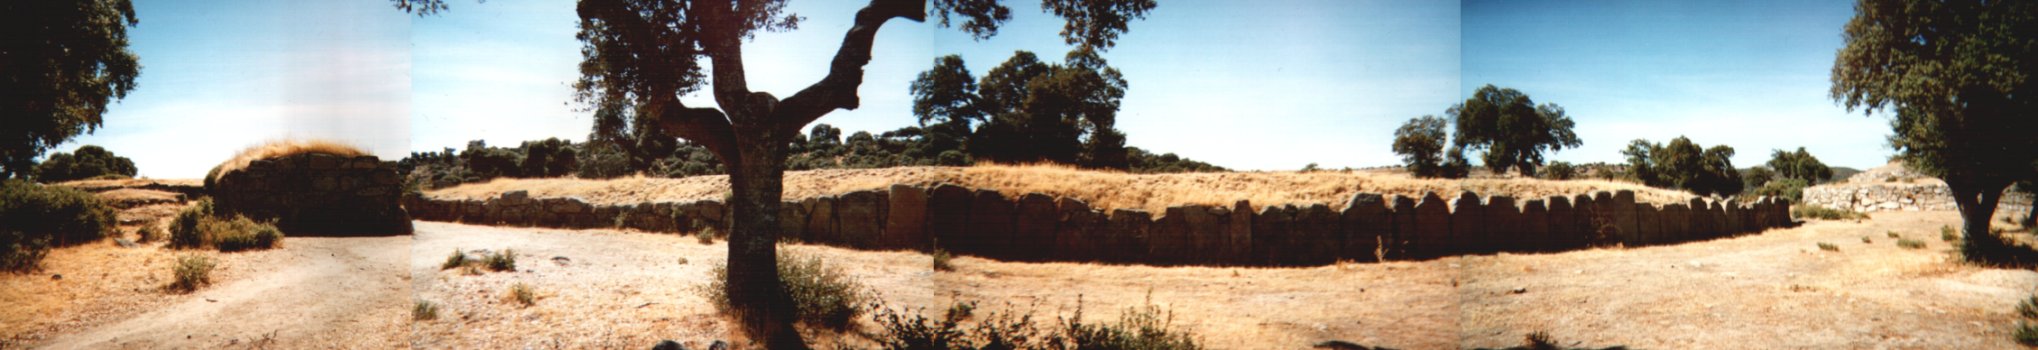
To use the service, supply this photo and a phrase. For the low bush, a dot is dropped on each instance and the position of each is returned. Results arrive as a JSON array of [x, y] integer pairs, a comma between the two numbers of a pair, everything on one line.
[[2027, 333], [37, 217], [1910, 243], [941, 258], [506, 260], [1824, 213], [198, 226], [458, 259], [1893, 234], [150, 233], [1138, 328], [1946, 234], [424, 310], [190, 272], [823, 295], [1828, 247], [522, 294]]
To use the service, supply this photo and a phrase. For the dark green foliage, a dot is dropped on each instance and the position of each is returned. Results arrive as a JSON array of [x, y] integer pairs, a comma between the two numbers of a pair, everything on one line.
[[1148, 163], [1807, 211], [823, 295], [1799, 165], [190, 272], [1907, 243], [424, 310], [1420, 142], [1138, 328], [1511, 130], [1146, 328], [198, 226], [601, 160], [184, 228], [1030, 111], [1792, 189], [35, 217], [456, 260], [550, 157], [1559, 171], [63, 61], [87, 162], [1682, 164], [1756, 177], [1961, 78]]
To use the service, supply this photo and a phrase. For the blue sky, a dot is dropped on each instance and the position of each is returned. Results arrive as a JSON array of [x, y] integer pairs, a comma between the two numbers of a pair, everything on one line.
[[1276, 85]]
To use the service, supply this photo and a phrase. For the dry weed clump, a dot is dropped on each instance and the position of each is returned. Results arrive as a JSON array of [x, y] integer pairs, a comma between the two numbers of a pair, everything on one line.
[[190, 272], [281, 148]]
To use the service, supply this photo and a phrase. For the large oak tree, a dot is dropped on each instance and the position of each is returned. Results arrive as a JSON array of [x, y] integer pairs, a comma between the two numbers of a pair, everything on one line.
[[1961, 79], [61, 62], [647, 53]]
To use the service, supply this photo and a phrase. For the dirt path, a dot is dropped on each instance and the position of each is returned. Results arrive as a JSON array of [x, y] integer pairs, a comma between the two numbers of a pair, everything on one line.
[[320, 293]]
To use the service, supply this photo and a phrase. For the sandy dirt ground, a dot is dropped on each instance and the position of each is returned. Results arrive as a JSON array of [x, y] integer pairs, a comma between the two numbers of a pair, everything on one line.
[[621, 289], [315, 292]]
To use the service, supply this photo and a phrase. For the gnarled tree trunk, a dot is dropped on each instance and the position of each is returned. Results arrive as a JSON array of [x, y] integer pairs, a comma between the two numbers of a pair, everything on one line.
[[1977, 199]]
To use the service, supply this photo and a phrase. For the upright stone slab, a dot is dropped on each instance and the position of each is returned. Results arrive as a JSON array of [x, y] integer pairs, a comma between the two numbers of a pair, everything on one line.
[[1503, 226], [1535, 227], [1206, 234], [1649, 224], [1079, 234], [1033, 236], [1432, 237], [1367, 225], [1127, 238], [860, 216], [1270, 233], [1624, 215], [1701, 221], [906, 220], [1564, 229], [948, 216], [1314, 236], [1602, 222], [1468, 226], [1168, 237], [1732, 209], [1238, 233], [1402, 246], [822, 224], [990, 225]]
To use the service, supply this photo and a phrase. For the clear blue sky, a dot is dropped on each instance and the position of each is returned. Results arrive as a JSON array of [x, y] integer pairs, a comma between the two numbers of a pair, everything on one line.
[[1270, 85]]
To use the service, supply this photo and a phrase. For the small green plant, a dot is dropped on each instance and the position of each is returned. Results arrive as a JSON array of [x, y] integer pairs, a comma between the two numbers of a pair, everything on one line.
[[1828, 247], [1864, 239], [1910, 243], [2027, 333], [1892, 234], [1824, 213], [522, 294], [706, 235], [1946, 234], [1138, 328], [149, 233], [2028, 308], [941, 260], [241, 233], [424, 310], [501, 261], [190, 272], [458, 259], [823, 295]]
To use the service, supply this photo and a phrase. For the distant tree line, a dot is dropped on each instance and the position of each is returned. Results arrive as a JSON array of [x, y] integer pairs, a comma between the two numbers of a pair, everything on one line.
[[87, 162], [1508, 128]]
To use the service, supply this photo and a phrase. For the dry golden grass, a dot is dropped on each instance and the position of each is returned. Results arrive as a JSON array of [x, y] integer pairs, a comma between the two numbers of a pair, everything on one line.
[[112, 184], [280, 148], [1103, 189]]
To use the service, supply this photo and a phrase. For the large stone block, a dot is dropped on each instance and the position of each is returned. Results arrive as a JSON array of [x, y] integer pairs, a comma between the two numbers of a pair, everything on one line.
[[1168, 237], [860, 217], [1126, 237], [1535, 227], [1238, 233], [1206, 233], [822, 225], [948, 216], [1271, 234], [1649, 224], [1402, 245], [1701, 218], [1313, 237], [1367, 225], [1502, 226], [1676, 221], [1079, 235], [1033, 237], [990, 226], [906, 220], [1468, 226], [792, 219], [1565, 233], [1624, 206], [1432, 221]]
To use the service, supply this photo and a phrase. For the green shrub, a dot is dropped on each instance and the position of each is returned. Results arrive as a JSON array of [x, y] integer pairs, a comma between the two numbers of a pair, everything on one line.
[[2028, 308], [191, 271], [1893, 234], [522, 294], [2027, 333], [941, 258], [1828, 247], [1138, 328], [458, 259], [241, 233], [1864, 239], [150, 233], [1946, 234], [184, 228], [424, 310], [501, 261], [823, 295], [1824, 213], [35, 218], [1559, 171], [1910, 243], [1787, 188]]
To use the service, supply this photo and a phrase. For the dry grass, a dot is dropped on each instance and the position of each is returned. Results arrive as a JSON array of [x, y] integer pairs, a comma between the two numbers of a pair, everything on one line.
[[99, 185], [1103, 189], [280, 148], [127, 198]]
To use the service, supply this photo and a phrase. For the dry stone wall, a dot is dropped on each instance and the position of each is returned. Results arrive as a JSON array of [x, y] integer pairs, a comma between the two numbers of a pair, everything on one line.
[[1038, 227], [1874, 197], [316, 194]]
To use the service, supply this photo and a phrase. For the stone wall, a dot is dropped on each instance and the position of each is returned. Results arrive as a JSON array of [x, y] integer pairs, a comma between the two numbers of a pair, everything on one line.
[[1874, 197], [316, 194], [1038, 227]]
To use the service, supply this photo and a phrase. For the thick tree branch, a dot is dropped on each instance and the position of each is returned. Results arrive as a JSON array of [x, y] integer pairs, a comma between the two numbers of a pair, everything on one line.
[[706, 126], [723, 39], [838, 89]]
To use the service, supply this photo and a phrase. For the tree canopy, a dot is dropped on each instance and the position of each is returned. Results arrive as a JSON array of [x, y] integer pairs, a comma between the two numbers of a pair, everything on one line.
[[1799, 165], [1511, 130], [87, 162], [1420, 142], [1031, 111], [1958, 77], [1683, 164], [63, 61]]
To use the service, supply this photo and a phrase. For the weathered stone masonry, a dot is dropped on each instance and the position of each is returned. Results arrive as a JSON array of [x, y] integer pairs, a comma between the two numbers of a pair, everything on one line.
[[316, 194], [1038, 227]]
